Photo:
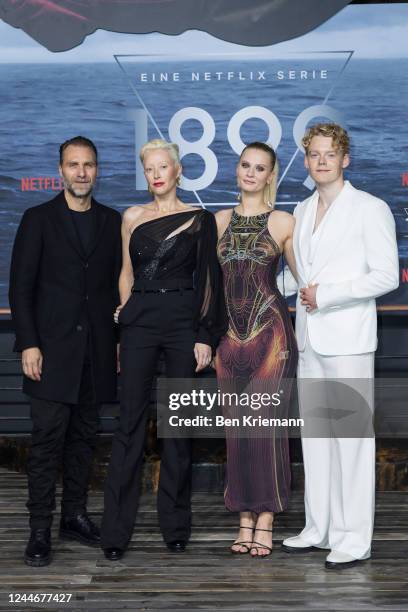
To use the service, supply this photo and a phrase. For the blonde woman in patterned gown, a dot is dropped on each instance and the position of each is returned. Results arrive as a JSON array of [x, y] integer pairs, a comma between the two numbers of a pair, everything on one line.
[[260, 344]]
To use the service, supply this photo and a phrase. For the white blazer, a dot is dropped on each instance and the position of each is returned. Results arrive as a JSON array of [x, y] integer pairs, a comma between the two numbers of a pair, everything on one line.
[[355, 261]]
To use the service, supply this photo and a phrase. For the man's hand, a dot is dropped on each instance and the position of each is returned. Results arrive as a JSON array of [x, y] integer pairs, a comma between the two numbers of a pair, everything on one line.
[[203, 355], [308, 297], [32, 360]]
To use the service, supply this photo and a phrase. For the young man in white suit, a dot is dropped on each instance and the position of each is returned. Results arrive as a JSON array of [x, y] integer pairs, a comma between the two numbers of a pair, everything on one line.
[[346, 256]]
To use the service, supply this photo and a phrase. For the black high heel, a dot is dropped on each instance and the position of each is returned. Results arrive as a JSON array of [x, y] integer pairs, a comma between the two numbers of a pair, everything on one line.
[[259, 546], [244, 543]]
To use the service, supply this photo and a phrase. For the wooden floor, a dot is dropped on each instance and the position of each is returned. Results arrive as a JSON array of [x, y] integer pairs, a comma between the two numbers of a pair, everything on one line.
[[206, 577]]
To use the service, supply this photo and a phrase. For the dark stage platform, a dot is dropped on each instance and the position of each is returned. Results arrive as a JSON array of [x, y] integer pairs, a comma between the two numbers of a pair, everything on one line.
[[206, 577]]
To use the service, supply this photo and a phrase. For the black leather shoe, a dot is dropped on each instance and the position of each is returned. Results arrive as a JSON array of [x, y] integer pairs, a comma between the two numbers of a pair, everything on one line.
[[113, 554], [38, 551], [292, 550], [341, 565], [176, 546], [80, 528]]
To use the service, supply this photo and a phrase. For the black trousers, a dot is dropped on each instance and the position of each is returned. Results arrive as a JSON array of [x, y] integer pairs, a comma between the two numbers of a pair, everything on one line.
[[151, 323], [62, 434]]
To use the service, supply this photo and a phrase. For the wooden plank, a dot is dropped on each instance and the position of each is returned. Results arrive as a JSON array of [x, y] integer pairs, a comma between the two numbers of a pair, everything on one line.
[[206, 576]]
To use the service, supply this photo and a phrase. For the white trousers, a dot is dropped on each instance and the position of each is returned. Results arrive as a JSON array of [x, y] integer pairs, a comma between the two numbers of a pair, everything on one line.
[[339, 471]]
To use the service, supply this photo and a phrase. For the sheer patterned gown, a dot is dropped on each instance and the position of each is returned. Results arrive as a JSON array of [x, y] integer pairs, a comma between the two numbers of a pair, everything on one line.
[[259, 349]]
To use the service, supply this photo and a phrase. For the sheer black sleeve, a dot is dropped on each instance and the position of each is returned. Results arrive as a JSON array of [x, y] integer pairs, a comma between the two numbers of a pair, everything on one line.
[[210, 316]]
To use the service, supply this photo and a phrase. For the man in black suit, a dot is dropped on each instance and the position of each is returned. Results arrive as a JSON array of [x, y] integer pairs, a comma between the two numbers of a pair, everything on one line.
[[63, 292]]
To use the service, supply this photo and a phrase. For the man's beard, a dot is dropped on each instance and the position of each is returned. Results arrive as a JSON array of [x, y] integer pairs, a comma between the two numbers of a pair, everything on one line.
[[83, 194]]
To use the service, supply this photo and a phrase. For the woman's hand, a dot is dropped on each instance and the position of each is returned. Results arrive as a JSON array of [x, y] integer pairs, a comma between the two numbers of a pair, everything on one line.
[[116, 314], [203, 355]]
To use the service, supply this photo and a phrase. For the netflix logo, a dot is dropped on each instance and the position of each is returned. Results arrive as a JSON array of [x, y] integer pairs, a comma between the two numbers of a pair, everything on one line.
[[41, 183], [403, 261], [404, 179]]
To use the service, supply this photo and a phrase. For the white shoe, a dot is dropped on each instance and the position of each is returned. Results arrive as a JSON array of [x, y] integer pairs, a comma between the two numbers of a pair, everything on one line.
[[335, 556], [341, 560], [296, 545]]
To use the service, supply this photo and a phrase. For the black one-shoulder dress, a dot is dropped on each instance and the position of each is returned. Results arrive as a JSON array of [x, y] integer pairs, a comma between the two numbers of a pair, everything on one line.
[[176, 301]]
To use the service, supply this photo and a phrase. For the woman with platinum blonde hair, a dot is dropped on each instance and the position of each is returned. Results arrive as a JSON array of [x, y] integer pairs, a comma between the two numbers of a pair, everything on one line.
[[172, 303], [259, 351]]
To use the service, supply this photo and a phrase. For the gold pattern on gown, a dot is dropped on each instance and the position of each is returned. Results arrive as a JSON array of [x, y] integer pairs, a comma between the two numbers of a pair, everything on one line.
[[259, 346]]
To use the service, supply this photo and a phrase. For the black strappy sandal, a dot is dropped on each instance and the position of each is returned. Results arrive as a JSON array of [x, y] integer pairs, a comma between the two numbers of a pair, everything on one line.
[[259, 546], [244, 543]]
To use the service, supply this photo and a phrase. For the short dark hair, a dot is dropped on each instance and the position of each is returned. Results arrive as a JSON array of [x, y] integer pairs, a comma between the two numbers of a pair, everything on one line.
[[79, 141]]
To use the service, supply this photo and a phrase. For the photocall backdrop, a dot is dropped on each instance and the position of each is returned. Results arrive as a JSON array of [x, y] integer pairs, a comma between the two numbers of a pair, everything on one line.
[[211, 97]]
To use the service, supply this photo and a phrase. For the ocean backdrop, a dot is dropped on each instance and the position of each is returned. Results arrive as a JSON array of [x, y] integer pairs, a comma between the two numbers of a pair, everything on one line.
[[44, 104]]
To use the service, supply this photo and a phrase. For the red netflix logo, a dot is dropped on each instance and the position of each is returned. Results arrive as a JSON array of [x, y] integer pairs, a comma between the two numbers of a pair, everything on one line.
[[404, 275], [404, 179], [41, 183]]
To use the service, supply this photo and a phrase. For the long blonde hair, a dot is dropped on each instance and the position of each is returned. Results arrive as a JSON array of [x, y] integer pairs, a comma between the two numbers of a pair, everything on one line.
[[271, 188]]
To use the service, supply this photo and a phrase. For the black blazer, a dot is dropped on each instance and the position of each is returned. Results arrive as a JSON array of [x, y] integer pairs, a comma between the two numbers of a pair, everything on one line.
[[60, 298]]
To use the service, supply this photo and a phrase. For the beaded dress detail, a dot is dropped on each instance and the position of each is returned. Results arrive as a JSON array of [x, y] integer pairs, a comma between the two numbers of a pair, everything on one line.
[[161, 250]]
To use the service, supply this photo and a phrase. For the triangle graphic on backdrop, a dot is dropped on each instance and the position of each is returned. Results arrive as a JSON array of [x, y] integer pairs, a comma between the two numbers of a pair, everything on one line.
[[126, 62]]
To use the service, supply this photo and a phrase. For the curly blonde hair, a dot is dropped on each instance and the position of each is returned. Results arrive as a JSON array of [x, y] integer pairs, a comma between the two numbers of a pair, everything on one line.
[[338, 134]]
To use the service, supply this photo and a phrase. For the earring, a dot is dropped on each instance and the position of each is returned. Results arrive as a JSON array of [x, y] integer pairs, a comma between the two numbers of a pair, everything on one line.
[[178, 181], [239, 196], [269, 203]]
